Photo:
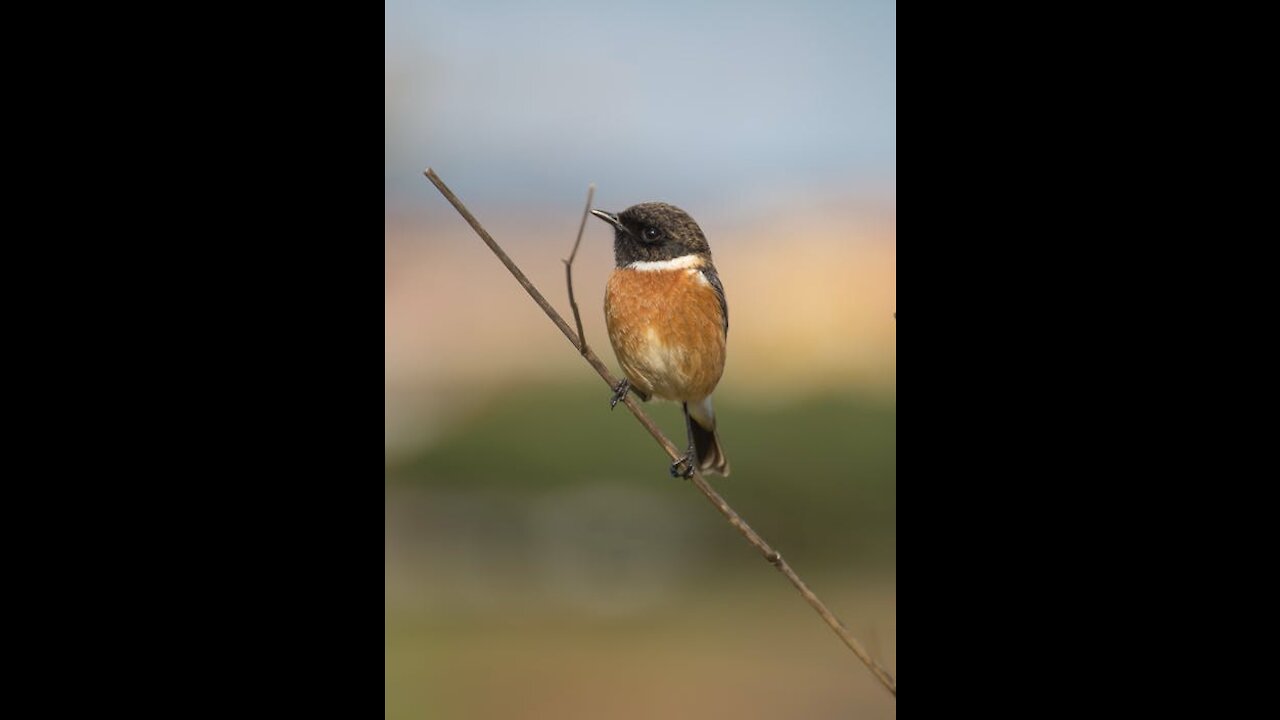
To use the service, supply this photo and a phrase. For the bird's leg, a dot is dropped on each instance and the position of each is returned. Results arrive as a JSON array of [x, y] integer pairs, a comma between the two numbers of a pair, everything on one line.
[[690, 459]]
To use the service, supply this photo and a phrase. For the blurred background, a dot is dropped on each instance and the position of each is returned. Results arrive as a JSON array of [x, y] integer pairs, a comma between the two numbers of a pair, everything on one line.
[[539, 560]]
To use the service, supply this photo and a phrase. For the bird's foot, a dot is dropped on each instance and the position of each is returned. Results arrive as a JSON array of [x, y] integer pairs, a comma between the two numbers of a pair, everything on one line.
[[685, 465], [619, 393]]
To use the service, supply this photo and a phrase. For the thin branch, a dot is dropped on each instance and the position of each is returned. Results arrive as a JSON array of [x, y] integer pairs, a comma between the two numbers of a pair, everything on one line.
[[771, 555], [568, 270]]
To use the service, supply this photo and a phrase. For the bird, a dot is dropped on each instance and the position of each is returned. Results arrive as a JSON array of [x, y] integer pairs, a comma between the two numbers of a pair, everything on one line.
[[668, 322]]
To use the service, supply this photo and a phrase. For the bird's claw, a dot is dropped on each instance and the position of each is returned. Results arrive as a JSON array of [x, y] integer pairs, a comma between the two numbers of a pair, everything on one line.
[[684, 466], [619, 393]]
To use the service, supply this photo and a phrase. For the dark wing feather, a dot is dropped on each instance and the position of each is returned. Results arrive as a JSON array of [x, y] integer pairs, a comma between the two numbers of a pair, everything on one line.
[[710, 274]]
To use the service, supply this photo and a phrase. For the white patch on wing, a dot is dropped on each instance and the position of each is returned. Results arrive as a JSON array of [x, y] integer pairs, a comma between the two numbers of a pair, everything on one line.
[[683, 262]]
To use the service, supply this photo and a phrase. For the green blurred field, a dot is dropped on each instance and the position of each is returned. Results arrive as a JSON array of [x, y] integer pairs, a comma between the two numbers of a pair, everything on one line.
[[540, 562]]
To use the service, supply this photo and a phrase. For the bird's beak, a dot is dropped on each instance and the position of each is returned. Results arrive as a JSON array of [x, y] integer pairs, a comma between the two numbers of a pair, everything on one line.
[[610, 218]]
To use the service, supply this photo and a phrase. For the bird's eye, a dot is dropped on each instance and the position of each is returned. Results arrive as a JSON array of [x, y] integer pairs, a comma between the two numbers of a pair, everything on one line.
[[652, 233]]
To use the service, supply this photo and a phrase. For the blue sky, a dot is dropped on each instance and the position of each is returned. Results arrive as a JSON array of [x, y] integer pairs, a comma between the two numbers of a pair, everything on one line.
[[711, 102]]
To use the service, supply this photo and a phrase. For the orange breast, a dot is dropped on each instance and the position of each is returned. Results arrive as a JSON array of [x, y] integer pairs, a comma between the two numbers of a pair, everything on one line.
[[667, 331]]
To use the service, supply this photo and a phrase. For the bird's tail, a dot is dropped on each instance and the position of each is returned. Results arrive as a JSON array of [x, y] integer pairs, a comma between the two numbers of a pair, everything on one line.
[[711, 457]]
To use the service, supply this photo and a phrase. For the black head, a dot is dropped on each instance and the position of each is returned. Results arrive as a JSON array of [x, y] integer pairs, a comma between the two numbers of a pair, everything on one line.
[[654, 231]]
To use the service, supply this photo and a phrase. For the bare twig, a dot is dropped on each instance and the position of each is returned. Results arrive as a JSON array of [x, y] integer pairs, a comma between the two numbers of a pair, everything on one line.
[[771, 555], [568, 270]]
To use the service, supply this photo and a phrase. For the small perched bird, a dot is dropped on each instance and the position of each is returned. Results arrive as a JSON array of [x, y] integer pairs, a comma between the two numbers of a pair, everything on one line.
[[668, 321]]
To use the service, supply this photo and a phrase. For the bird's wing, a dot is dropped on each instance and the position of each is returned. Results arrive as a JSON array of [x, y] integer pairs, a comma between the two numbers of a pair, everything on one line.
[[710, 274]]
